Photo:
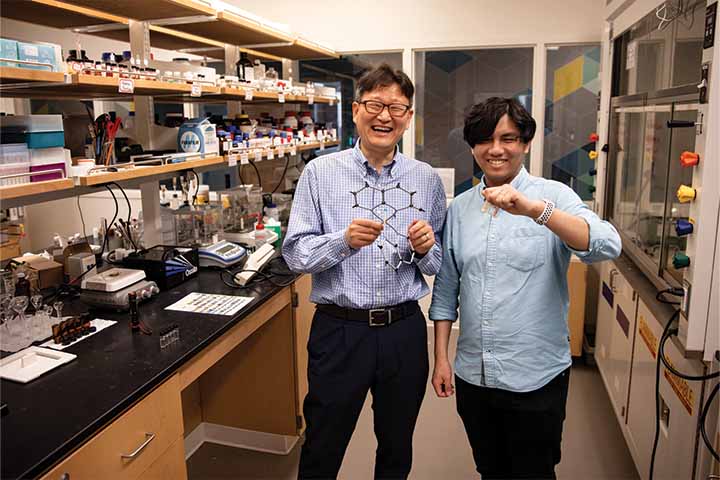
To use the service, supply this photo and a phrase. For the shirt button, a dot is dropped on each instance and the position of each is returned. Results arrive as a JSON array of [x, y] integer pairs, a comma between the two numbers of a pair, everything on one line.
[[343, 255], [378, 294], [485, 322]]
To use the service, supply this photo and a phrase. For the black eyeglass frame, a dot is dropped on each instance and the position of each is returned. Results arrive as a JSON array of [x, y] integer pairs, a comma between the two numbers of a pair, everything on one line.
[[406, 108]]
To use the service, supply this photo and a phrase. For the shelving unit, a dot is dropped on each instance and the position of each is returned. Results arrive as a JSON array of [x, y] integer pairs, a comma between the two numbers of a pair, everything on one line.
[[23, 82], [11, 192], [146, 172], [110, 19]]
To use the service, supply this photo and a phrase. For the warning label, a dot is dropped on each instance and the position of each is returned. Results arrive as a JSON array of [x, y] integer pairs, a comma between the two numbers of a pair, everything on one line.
[[647, 335]]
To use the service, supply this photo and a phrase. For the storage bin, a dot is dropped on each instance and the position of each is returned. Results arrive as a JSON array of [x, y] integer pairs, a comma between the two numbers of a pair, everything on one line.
[[33, 123], [45, 139]]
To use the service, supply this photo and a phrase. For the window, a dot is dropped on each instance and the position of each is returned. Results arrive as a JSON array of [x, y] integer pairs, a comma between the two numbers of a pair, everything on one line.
[[571, 101], [448, 83]]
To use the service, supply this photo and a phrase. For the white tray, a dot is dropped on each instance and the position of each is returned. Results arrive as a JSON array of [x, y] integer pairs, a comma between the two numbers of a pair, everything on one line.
[[30, 363]]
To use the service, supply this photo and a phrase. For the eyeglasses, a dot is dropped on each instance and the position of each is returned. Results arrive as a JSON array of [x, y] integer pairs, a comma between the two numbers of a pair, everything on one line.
[[395, 110], [505, 140]]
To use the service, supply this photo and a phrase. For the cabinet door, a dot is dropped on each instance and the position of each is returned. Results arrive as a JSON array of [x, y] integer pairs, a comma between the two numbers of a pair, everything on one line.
[[614, 346], [144, 433], [605, 312], [303, 314], [679, 399]]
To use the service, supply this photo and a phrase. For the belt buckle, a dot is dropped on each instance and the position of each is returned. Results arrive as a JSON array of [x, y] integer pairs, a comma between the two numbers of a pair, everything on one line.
[[379, 317]]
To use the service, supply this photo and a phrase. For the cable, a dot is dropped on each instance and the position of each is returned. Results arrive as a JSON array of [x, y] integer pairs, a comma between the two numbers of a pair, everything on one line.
[[127, 225], [107, 229], [82, 219], [703, 418], [668, 331], [257, 172], [282, 177], [678, 292], [240, 167], [197, 186]]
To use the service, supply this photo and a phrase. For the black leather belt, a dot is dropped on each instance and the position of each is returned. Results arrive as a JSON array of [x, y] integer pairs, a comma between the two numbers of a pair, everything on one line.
[[374, 317]]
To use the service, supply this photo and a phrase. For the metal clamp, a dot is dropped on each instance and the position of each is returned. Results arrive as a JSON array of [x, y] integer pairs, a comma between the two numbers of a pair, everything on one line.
[[149, 438]]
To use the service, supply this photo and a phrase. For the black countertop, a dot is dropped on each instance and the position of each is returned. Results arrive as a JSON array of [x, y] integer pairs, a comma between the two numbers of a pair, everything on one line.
[[54, 414]]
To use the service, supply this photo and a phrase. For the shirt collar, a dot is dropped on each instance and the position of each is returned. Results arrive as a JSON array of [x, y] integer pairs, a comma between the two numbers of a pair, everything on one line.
[[517, 182], [393, 167]]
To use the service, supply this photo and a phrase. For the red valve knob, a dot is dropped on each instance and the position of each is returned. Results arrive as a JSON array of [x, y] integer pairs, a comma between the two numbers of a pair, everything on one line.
[[689, 159], [594, 137]]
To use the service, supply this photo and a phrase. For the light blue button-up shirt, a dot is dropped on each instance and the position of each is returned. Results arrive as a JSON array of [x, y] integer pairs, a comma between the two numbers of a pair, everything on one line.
[[509, 276], [323, 208]]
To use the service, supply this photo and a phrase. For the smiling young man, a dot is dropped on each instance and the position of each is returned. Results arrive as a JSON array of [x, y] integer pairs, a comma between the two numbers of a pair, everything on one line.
[[507, 246], [351, 227]]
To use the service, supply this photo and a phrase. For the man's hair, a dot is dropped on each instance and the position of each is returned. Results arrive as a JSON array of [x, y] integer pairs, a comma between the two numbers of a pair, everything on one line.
[[384, 76], [481, 120]]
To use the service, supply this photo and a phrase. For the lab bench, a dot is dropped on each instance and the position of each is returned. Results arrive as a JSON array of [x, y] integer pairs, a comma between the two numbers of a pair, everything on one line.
[[124, 408]]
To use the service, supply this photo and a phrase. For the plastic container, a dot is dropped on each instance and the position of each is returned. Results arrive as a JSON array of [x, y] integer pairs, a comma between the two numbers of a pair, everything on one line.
[[290, 121], [14, 153], [45, 139], [260, 235], [34, 123]]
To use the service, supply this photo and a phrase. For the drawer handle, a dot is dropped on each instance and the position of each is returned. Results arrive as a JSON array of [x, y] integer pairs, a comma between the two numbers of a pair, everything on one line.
[[149, 437]]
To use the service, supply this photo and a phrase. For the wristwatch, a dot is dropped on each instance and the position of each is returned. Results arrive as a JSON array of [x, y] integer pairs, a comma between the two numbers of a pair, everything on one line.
[[547, 212]]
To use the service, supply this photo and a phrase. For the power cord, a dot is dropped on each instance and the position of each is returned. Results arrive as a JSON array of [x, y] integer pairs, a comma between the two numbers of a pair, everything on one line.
[[668, 331], [108, 226], [282, 177], [257, 172], [268, 275], [126, 227]]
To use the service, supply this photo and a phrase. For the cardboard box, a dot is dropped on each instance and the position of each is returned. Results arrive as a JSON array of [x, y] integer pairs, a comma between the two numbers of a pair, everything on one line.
[[49, 272]]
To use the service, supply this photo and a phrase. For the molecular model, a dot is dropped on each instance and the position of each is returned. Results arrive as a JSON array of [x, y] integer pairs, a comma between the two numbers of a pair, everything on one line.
[[387, 213]]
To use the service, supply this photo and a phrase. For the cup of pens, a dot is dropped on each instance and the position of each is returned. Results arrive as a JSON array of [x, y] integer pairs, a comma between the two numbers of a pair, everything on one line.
[[104, 130]]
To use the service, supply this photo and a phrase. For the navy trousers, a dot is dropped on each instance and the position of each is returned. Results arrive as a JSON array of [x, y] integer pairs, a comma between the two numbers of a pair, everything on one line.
[[346, 360]]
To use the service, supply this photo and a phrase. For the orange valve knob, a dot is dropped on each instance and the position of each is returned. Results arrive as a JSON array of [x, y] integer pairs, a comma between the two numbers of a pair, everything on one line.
[[686, 194], [689, 159], [594, 137], [593, 155]]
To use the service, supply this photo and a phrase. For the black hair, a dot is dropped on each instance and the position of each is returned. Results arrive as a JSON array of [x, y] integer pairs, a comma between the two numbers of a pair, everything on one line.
[[481, 120], [384, 76]]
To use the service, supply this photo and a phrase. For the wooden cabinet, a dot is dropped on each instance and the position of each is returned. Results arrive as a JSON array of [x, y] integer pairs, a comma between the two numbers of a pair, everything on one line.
[[170, 466], [132, 443]]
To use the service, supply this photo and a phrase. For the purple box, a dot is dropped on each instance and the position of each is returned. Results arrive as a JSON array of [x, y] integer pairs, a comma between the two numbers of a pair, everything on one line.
[[49, 176]]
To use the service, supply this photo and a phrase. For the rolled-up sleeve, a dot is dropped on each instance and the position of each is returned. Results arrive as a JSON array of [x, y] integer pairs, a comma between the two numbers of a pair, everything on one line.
[[307, 248], [430, 263], [605, 243], [446, 288]]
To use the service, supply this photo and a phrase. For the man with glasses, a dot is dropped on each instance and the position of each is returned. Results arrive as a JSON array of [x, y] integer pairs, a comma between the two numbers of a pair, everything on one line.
[[507, 246], [364, 224]]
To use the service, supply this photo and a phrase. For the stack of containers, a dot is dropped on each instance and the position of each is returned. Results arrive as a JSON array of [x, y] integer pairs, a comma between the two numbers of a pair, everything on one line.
[[44, 142]]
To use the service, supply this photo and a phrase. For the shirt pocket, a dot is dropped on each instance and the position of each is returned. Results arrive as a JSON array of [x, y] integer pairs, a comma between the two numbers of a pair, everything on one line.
[[524, 248]]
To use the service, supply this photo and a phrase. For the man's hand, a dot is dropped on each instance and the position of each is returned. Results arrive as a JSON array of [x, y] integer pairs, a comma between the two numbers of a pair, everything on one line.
[[421, 236], [512, 201], [442, 379], [362, 232]]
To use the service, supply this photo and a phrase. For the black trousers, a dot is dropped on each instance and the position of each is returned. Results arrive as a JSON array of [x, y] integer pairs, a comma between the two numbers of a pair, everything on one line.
[[346, 359], [514, 435]]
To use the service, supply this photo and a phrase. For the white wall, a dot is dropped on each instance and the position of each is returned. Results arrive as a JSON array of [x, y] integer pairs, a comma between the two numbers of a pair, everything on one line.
[[382, 25]]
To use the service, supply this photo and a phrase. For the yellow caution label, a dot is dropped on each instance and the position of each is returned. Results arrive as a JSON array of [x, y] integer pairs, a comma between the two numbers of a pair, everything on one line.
[[648, 336], [681, 388]]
